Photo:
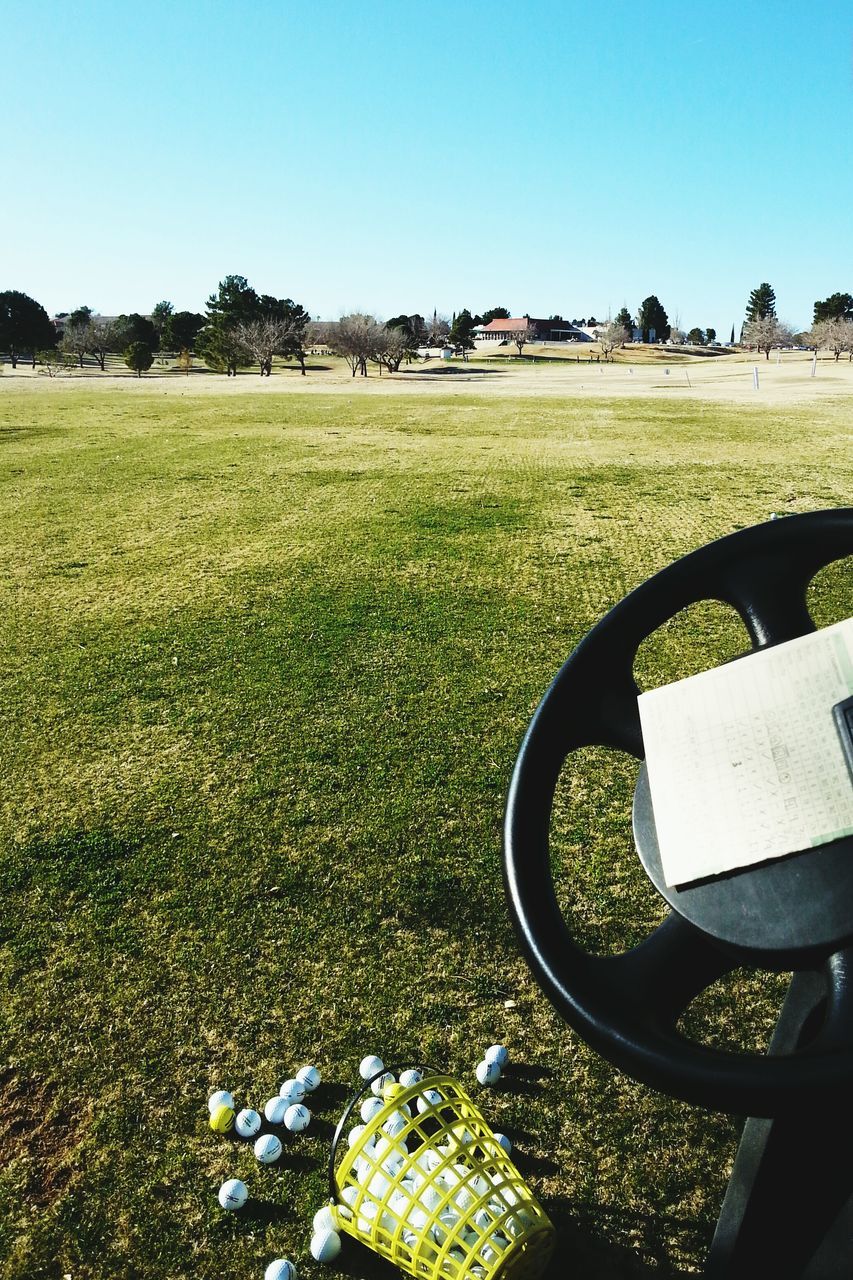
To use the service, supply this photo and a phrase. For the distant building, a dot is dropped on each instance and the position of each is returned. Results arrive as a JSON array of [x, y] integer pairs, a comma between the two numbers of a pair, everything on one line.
[[544, 330]]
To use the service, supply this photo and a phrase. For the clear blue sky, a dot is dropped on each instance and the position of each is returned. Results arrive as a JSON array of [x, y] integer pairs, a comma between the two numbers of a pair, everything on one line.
[[555, 157]]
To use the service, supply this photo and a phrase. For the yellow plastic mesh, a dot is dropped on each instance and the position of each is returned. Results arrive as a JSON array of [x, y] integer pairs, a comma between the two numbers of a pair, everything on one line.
[[427, 1185]]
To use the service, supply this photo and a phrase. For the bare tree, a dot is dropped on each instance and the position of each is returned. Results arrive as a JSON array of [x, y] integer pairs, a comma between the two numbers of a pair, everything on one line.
[[262, 339], [832, 335], [522, 336], [767, 332], [437, 330], [358, 338], [610, 336], [75, 341], [397, 345], [103, 337]]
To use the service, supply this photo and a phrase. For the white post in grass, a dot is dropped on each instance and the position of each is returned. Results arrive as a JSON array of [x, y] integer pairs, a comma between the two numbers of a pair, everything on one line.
[[755, 377], [814, 362]]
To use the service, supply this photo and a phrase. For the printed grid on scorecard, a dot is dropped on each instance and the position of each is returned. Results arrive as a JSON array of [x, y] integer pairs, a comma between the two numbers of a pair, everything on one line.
[[745, 762]]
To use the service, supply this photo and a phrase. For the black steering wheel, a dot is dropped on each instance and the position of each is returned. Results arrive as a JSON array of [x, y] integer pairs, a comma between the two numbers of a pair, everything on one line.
[[796, 913]]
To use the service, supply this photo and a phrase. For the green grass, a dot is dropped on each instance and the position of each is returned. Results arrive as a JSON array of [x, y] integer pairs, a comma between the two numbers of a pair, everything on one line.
[[266, 663]]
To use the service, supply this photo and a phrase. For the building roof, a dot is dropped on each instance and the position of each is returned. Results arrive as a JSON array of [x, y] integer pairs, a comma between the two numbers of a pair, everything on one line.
[[505, 326]]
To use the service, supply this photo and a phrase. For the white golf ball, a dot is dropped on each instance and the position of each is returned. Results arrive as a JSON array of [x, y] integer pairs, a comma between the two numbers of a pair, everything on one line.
[[370, 1107], [325, 1219], [370, 1065], [268, 1148], [248, 1123], [325, 1245], [297, 1118], [497, 1053], [354, 1134], [310, 1077], [395, 1124], [380, 1082], [488, 1072], [429, 1098], [222, 1098], [233, 1194], [390, 1152], [410, 1077], [503, 1141], [281, 1269], [292, 1091], [274, 1109]]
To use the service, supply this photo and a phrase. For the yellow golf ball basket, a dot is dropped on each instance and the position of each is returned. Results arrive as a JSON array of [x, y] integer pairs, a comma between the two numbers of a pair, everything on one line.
[[426, 1184]]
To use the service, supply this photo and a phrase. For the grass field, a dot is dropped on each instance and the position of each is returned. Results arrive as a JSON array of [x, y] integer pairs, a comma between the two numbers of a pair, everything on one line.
[[266, 663]]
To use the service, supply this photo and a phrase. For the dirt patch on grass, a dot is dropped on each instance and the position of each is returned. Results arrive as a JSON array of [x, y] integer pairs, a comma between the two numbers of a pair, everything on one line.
[[39, 1135]]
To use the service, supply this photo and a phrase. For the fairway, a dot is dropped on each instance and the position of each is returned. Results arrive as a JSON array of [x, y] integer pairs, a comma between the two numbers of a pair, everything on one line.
[[266, 663]]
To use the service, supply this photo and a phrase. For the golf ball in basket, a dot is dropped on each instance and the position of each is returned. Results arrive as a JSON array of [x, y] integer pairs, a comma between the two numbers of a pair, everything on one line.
[[395, 1124], [488, 1072], [354, 1134], [274, 1110], [325, 1219], [292, 1091], [297, 1118], [429, 1098], [410, 1077], [325, 1245], [268, 1148], [370, 1065], [497, 1053], [309, 1077], [222, 1098], [380, 1084], [370, 1107], [222, 1119], [281, 1269], [503, 1141], [248, 1123], [233, 1194]]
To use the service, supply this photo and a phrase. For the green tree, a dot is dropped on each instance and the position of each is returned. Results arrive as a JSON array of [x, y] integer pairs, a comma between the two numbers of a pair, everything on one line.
[[762, 303], [696, 337], [461, 336], [80, 316], [234, 303], [24, 326], [413, 325], [180, 330], [710, 335], [220, 349], [159, 317], [496, 313], [137, 328], [652, 316], [624, 319], [138, 357], [839, 306]]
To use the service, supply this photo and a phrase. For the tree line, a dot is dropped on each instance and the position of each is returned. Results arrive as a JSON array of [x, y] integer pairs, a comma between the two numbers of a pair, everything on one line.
[[241, 327]]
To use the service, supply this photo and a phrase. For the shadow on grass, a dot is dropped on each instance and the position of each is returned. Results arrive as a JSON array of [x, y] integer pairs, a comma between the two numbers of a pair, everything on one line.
[[586, 1245], [261, 1212], [448, 371]]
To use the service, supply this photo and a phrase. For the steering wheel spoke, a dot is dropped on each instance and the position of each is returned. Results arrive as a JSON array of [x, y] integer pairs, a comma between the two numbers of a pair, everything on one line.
[[771, 597], [661, 977]]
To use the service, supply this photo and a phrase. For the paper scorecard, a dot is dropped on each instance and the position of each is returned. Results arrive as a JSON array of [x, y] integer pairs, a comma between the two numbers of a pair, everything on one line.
[[745, 762]]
